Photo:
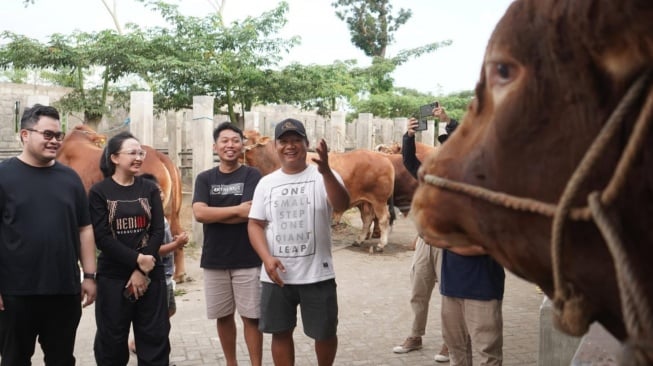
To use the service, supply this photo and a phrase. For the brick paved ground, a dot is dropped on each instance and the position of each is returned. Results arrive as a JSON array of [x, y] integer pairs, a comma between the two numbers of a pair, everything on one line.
[[374, 316]]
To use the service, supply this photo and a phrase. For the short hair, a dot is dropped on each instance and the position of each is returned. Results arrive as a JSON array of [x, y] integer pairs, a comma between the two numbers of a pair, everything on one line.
[[114, 145], [32, 115], [227, 126]]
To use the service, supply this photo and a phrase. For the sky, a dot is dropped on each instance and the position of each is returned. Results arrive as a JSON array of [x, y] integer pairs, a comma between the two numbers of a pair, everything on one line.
[[324, 37]]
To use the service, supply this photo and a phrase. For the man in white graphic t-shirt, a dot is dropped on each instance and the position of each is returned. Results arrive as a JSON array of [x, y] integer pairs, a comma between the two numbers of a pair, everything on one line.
[[290, 229]]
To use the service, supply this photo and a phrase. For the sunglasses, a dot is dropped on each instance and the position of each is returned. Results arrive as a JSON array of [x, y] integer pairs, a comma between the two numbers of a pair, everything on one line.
[[135, 153], [48, 135]]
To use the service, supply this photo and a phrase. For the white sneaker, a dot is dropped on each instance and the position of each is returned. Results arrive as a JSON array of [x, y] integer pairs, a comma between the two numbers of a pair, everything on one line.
[[410, 344], [443, 355]]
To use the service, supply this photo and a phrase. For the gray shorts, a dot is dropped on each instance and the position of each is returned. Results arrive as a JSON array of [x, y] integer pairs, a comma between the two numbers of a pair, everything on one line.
[[228, 290], [318, 303]]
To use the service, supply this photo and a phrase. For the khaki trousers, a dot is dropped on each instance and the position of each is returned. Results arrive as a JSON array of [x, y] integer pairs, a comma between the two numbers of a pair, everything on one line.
[[472, 324], [424, 274]]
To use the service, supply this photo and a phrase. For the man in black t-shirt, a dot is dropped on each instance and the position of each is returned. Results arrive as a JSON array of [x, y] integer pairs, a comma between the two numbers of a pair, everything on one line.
[[45, 231], [221, 202]]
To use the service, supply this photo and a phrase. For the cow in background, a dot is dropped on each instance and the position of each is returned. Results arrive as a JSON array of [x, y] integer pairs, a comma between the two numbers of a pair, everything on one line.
[[405, 184], [564, 84], [369, 180], [81, 150]]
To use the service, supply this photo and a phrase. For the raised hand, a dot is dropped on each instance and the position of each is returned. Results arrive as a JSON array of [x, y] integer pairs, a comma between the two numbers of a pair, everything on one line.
[[322, 160]]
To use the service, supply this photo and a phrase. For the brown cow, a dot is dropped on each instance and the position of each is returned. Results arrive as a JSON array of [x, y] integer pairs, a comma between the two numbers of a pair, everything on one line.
[[559, 76], [81, 150], [405, 184], [368, 178]]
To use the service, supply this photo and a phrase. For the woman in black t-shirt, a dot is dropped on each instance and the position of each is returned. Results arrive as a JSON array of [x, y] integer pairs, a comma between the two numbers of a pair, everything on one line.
[[127, 215]]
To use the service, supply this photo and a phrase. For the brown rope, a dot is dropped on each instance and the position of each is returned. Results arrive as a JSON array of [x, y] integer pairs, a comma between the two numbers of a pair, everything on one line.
[[591, 158], [504, 199], [637, 315], [635, 144]]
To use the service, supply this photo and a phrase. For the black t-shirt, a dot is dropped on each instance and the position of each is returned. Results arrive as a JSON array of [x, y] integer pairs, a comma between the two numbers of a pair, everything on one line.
[[127, 220], [42, 210], [227, 246]]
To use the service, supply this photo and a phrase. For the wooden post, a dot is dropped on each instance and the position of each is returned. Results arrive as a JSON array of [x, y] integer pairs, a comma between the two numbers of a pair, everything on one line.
[[364, 131], [337, 131], [202, 138], [141, 115]]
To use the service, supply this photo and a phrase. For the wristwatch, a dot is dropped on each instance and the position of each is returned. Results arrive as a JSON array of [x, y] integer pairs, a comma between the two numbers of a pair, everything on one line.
[[90, 276]]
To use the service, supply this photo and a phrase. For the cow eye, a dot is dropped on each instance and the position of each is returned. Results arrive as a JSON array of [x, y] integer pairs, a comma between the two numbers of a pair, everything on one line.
[[503, 70], [500, 73]]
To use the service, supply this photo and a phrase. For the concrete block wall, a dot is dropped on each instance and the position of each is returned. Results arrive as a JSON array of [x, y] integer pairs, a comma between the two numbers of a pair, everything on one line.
[[10, 93]]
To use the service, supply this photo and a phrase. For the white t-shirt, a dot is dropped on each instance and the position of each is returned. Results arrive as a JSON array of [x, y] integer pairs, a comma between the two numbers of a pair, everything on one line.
[[298, 232]]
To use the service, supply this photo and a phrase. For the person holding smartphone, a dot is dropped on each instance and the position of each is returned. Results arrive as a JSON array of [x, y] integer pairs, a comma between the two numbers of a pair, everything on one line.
[[441, 115], [425, 267], [471, 287]]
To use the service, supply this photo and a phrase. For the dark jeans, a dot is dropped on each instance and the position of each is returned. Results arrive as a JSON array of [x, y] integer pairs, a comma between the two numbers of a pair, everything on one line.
[[53, 318]]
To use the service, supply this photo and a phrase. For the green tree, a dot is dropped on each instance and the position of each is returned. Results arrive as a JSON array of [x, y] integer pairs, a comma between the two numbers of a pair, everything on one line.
[[318, 87], [377, 77], [202, 56], [403, 102], [87, 62], [371, 23], [192, 56]]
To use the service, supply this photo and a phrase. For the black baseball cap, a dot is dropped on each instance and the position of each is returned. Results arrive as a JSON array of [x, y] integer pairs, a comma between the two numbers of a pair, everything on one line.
[[289, 125]]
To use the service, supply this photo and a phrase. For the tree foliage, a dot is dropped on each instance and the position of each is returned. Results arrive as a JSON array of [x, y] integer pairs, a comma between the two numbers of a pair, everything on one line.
[[201, 56], [378, 76], [70, 60], [318, 87], [371, 23], [402, 102], [191, 56], [237, 64]]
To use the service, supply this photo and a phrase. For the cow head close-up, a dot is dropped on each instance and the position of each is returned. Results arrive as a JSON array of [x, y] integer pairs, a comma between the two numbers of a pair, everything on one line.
[[553, 75]]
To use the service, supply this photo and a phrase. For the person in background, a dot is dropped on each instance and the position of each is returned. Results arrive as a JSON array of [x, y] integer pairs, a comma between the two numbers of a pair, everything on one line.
[[451, 125], [167, 253], [45, 230], [222, 199], [127, 215], [427, 260], [471, 286], [290, 229]]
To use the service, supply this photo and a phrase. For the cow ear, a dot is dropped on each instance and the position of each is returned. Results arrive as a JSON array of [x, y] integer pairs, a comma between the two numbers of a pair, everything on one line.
[[626, 52], [264, 140]]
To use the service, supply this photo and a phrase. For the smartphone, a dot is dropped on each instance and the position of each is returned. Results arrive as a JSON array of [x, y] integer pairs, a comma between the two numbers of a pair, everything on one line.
[[422, 125], [425, 112]]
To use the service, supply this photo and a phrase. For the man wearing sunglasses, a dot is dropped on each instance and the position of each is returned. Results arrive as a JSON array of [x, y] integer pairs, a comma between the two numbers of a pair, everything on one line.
[[44, 232]]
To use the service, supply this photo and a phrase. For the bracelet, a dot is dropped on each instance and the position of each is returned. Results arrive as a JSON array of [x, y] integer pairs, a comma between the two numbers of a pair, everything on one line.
[[89, 276]]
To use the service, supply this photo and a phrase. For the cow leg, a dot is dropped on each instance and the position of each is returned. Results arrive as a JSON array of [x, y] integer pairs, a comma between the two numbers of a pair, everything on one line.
[[383, 215], [376, 231], [180, 266], [367, 216], [335, 218]]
